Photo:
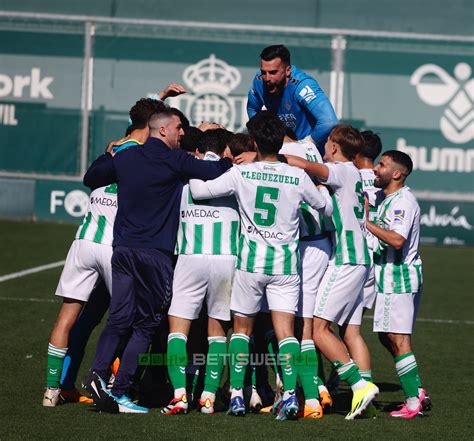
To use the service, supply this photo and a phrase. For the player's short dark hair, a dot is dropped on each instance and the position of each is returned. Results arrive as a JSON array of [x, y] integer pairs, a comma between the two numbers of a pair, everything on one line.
[[191, 139], [268, 132], [240, 143], [372, 145], [276, 51], [214, 140], [401, 158], [184, 121], [349, 138], [142, 110]]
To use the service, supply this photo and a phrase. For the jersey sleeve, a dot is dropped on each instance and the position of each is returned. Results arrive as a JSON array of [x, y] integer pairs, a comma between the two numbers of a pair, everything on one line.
[[101, 172], [311, 97], [190, 167], [401, 216], [314, 198], [224, 185], [336, 175], [254, 100], [327, 197]]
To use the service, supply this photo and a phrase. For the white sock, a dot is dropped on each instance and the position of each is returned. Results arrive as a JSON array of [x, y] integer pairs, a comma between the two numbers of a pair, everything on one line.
[[178, 393], [359, 385], [312, 402], [413, 403], [205, 395], [288, 393], [237, 392], [322, 388]]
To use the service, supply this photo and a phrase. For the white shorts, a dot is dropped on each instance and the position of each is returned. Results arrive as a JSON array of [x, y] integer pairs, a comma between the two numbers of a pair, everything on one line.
[[86, 261], [396, 312], [315, 256], [365, 301], [281, 291], [202, 277], [339, 290]]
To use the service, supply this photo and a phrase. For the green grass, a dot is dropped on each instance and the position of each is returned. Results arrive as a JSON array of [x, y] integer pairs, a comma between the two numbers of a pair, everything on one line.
[[443, 350]]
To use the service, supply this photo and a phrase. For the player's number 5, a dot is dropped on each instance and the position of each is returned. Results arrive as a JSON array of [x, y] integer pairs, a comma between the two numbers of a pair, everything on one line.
[[265, 211]]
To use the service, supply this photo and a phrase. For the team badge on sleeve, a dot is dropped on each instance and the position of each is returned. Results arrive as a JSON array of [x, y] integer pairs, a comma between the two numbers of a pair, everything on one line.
[[307, 94], [399, 216]]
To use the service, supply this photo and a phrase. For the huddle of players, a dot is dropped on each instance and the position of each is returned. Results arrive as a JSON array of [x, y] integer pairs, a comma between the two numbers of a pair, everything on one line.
[[302, 248]]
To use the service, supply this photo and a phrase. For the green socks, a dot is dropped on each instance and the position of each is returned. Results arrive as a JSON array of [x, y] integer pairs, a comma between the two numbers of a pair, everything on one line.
[[289, 350], [239, 358], [366, 375], [272, 348], [215, 363], [407, 370], [308, 370], [55, 365], [177, 360], [349, 372]]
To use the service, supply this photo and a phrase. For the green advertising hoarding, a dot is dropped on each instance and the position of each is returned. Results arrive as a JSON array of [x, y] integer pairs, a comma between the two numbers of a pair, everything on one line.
[[60, 201], [417, 94], [420, 101], [40, 101], [447, 223]]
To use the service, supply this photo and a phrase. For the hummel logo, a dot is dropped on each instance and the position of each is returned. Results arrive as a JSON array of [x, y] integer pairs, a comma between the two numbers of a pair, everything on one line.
[[457, 121]]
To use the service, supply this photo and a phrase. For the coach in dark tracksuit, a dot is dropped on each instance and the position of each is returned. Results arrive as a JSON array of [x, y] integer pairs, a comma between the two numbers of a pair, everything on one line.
[[149, 181]]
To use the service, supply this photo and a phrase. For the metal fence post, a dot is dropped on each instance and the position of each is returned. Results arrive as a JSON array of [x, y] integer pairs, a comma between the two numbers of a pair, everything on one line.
[[336, 92], [86, 96]]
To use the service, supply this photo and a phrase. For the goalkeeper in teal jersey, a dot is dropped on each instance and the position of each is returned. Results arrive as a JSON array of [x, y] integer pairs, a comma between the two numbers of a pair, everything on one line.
[[269, 194], [398, 275], [293, 95]]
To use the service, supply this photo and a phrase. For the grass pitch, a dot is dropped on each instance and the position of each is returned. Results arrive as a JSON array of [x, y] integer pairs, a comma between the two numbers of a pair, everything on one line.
[[442, 342]]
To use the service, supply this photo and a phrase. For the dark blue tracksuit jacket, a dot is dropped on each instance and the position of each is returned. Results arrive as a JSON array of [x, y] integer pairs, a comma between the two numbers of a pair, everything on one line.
[[149, 179]]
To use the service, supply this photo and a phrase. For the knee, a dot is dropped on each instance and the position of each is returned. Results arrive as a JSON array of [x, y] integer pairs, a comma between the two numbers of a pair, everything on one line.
[[400, 344], [119, 325], [320, 327]]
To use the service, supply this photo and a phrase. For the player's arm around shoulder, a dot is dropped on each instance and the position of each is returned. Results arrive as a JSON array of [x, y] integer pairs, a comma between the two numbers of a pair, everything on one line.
[[320, 171], [224, 185], [190, 167], [315, 197], [399, 223], [101, 172]]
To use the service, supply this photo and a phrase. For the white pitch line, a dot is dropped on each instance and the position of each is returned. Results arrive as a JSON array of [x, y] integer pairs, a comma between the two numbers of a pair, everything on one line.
[[26, 272], [444, 321], [29, 299]]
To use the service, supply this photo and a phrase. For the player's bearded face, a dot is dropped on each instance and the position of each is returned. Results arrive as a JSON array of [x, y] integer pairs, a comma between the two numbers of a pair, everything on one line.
[[174, 132], [275, 74], [383, 172]]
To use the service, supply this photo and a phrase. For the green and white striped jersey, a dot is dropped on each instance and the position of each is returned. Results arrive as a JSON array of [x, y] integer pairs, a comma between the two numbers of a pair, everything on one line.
[[399, 271], [98, 223], [269, 195], [208, 226], [368, 176], [348, 214], [312, 222]]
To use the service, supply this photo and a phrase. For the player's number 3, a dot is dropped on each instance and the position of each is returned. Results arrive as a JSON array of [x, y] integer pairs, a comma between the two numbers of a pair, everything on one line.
[[359, 209], [265, 211]]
